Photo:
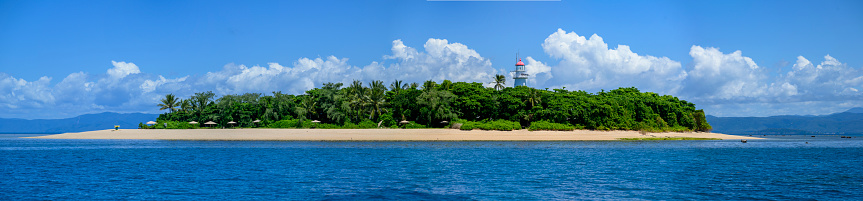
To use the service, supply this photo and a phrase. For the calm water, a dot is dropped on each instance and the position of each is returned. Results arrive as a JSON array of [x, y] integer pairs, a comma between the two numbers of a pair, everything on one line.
[[827, 168]]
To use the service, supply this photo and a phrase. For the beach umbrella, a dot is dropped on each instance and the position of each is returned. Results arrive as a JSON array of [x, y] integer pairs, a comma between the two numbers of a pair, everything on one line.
[[316, 121], [404, 122], [210, 123], [193, 122], [444, 122], [151, 122], [256, 121], [232, 122]]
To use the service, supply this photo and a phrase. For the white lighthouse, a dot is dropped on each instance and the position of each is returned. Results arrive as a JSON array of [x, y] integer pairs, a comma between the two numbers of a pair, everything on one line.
[[519, 74]]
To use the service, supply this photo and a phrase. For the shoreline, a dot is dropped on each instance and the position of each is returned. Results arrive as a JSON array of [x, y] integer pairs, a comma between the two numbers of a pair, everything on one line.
[[264, 134]]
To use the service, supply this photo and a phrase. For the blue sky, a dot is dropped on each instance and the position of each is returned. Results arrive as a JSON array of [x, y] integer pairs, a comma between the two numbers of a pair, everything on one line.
[[65, 58]]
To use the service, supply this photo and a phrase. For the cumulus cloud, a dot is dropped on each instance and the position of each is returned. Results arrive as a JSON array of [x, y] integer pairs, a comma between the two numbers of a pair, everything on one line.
[[441, 60], [734, 85], [125, 88], [716, 75], [122, 69], [726, 84], [538, 72], [15, 93], [305, 74], [826, 80], [589, 64]]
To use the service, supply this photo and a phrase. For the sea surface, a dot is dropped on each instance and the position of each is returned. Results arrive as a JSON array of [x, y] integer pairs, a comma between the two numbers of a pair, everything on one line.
[[782, 168]]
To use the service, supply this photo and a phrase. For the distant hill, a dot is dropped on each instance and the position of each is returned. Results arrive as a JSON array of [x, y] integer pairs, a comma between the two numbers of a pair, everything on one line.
[[848, 122], [87, 122], [855, 110]]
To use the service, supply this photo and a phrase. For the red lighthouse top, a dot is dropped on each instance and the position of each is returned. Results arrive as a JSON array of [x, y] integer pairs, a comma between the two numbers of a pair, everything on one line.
[[519, 63]]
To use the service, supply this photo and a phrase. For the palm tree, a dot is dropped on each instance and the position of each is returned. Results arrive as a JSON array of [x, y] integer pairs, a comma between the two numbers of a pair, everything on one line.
[[445, 85], [534, 97], [201, 100], [357, 101], [307, 106], [397, 86], [436, 106], [429, 85], [169, 102], [499, 81], [376, 98], [185, 105]]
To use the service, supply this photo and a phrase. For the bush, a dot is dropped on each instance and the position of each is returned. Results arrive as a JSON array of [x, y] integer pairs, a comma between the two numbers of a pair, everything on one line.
[[413, 125], [387, 120], [171, 125], [328, 126], [548, 126], [291, 123], [501, 125], [367, 124]]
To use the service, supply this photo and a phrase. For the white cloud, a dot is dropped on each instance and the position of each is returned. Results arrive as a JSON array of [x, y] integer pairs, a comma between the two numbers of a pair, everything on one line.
[[151, 85], [716, 75], [726, 84], [730, 82], [734, 85], [830, 79], [588, 64], [441, 60], [538, 72], [304, 75], [122, 69], [74, 89], [15, 93], [124, 88]]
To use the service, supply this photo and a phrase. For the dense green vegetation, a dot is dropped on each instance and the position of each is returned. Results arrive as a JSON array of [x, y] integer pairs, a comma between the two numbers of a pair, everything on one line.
[[436, 105], [549, 126], [500, 124]]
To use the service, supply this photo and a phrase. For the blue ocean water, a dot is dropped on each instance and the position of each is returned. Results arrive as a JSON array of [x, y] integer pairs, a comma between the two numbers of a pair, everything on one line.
[[821, 168]]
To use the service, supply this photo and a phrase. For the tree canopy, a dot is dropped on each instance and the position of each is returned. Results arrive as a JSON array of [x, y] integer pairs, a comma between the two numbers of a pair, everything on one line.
[[433, 104]]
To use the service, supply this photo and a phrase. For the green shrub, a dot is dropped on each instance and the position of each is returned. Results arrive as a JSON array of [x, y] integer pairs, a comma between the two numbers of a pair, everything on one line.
[[283, 124], [328, 126], [501, 125], [548, 126], [387, 120], [367, 124], [602, 128], [173, 125], [291, 123], [349, 125], [413, 125]]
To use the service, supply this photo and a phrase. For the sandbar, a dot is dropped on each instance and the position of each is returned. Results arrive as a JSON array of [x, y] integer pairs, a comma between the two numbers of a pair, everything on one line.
[[261, 134]]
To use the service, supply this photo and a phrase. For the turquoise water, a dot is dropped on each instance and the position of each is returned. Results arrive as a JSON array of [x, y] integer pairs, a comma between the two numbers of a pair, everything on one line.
[[821, 168]]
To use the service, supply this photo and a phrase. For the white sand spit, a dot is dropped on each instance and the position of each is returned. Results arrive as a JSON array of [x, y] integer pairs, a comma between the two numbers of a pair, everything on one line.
[[372, 135]]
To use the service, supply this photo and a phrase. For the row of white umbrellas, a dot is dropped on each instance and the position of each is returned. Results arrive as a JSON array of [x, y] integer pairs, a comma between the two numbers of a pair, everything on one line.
[[207, 123], [255, 121]]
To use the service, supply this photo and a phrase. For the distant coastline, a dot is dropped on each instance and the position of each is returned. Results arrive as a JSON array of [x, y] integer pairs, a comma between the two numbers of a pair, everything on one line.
[[374, 135]]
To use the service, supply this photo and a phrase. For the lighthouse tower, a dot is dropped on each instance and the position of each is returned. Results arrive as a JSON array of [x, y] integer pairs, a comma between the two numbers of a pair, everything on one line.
[[519, 74]]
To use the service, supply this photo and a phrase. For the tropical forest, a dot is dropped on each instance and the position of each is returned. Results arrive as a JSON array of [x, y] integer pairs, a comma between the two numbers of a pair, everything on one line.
[[447, 104]]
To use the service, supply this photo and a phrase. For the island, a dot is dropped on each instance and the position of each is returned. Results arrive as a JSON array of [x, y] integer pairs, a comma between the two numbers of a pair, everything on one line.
[[443, 111], [374, 135]]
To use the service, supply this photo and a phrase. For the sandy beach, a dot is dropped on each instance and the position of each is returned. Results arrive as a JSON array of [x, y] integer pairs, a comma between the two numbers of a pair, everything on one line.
[[372, 135]]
